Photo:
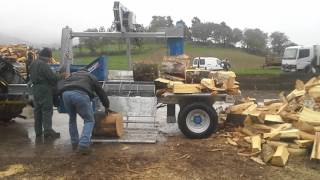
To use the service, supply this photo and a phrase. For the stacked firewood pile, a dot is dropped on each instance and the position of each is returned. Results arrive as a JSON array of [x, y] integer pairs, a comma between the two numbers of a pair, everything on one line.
[[16, 53], [19, 53], [282, 127], [219, 82]]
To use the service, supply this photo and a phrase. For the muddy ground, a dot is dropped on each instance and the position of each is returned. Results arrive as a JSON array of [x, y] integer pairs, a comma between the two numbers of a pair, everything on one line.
[[173, 157]]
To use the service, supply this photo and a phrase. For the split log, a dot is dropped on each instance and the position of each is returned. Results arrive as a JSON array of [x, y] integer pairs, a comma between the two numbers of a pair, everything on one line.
[[208, 83], [304, 143], [239, 108], [280, 157], [309, 116], [108, 126], [250, 109], [299, 85], [273, 118], [187, 88], [297, 152], [196, 75], [314, 91], [277, 143], [303, 126], [268, 102], [295, 93], [316, 147], [256, 143], [290, 134], [267, 153], [306, 136]]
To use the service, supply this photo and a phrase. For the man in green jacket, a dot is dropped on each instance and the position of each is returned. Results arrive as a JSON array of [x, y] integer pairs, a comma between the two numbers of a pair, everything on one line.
[[43, 80]]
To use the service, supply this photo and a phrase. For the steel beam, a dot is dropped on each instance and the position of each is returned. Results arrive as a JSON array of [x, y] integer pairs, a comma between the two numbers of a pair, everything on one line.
[[120, 35]]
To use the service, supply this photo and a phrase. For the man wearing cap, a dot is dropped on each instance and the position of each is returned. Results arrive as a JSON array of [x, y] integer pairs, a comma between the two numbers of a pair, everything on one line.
[[43, 80]]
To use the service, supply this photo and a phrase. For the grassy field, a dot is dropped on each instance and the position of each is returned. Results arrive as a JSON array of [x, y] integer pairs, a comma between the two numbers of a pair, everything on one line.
[[241, 62]]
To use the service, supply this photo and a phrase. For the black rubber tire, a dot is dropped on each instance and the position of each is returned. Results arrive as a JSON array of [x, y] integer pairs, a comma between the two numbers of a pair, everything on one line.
[[213, 126]]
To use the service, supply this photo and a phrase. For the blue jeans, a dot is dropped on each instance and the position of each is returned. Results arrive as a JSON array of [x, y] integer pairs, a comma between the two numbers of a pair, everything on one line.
[[76, 101]]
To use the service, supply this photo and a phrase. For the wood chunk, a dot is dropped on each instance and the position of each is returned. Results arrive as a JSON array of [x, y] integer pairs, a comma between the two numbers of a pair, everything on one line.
[[277, 143], [256, 143], [232, 142], [208, 83], [238, 109], [268, 102], [299, 85], [250, 109], [304, 143], [186, 88], [295, 93], [267, 153], [297, 152], [310, 116], [246, 131], [303, 126], [273, 118], [290, 134], [306, 136], [314, 91], [280, 157], [108, 126], [316, 147], [257, 160]]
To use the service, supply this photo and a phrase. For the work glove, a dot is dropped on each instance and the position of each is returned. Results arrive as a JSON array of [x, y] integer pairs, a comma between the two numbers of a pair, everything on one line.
[[107, 111]]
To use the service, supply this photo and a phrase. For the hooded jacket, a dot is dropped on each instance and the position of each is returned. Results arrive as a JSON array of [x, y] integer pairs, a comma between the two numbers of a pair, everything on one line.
[[86, 82]]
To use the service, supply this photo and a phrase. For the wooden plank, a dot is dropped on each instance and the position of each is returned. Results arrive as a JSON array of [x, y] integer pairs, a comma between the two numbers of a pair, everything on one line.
[[186, 88], [280, 157], [256, 143]]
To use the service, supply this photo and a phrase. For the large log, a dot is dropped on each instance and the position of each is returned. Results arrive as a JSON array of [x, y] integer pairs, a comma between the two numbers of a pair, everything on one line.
[[143, 71], [108, 126]]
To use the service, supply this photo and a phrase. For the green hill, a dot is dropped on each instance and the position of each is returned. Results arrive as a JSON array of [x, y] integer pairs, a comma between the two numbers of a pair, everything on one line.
[[241, 61]]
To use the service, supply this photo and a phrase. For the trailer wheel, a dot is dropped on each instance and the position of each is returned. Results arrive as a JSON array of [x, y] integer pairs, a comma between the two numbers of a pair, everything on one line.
[[197, 120]]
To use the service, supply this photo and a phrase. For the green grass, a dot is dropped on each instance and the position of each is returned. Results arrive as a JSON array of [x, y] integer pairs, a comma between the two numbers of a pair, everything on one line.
[[242, 63]]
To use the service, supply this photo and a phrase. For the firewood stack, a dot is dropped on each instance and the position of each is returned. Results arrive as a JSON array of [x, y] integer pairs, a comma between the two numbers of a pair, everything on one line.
[[282, 127], [16, 53], [221, 82]]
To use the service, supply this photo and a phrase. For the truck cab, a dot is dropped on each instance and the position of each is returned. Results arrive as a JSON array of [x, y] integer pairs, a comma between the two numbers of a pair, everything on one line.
[[297, 58], [208, 63]]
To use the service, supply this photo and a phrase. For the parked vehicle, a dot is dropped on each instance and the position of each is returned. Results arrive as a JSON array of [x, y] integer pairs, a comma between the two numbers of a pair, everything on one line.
[[301, 58], [207, 63]]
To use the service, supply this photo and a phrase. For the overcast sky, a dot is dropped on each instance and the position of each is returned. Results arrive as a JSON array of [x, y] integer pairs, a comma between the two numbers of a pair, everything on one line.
[[41, 21]]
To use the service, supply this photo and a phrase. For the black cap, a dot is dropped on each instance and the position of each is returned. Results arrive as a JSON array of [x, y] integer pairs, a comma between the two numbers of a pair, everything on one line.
[[46, 52]]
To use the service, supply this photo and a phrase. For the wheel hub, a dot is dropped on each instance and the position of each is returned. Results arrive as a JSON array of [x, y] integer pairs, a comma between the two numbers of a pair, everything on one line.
[[197, 119]]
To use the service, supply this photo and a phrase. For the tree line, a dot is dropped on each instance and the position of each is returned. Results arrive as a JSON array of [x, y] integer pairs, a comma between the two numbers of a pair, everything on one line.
[[254, 41]]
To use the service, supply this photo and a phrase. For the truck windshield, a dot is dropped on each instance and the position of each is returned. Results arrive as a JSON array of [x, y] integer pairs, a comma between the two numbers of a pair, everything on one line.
[[290, 54]]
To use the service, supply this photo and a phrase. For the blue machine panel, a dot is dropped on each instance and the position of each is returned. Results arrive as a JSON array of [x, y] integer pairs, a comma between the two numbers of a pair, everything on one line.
[[176, 46]]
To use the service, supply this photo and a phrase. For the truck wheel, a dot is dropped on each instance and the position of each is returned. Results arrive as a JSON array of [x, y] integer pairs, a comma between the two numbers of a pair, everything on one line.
[[197, 120]]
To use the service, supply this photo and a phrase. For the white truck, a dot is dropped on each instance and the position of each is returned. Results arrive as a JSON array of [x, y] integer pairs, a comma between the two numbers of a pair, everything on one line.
[[208, 63], [302, 59]]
